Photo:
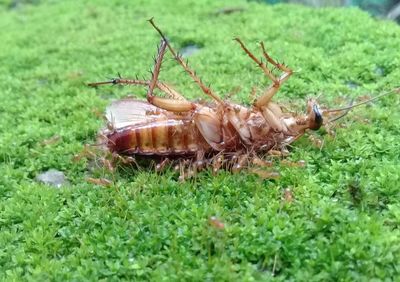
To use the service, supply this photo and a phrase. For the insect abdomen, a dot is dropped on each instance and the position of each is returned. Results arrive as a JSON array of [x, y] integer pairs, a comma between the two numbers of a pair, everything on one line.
[[166, 137]]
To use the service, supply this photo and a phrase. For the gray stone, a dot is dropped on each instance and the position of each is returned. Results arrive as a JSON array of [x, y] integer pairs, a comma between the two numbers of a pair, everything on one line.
[[52, 177], [189, 50]]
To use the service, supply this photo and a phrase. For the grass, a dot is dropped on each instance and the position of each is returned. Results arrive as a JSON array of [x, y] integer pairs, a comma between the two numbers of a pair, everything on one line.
[[343, 223]]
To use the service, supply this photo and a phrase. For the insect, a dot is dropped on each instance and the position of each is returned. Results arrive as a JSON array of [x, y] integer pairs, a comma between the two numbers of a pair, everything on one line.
[[217, 134]]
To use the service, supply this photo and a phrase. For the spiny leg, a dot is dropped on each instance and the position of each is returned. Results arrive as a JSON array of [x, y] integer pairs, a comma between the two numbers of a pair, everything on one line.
[[181, 106], [192, 74], [162, 164], [267, 71], [240, 162], [164, 87], [282, 66], [165, 103], [172, 93], [184, 170], [278, 153], [276, 82], [125, 160], [271, 90]]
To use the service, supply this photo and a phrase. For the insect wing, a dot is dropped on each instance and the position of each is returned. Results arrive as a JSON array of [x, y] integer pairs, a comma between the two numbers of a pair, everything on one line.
[[128, 111]]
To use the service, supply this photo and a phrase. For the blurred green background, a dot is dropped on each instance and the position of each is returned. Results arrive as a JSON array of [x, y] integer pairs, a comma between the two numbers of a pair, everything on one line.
[[381, 8]]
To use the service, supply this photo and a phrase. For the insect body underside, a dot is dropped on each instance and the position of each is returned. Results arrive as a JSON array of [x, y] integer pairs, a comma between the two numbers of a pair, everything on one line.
[[139, 128], [158, 132]]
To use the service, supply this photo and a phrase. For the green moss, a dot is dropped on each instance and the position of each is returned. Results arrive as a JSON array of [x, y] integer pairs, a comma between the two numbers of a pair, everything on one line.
[[344, 221]]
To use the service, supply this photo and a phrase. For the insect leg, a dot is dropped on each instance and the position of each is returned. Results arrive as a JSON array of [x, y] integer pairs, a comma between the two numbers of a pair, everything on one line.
[[164, 87], [172, 93], [278, 153], [276, 82], [241, 162], [267, 71], [192, 74], [183, 175], [162, 164], [262, 168], [260, 162], [217, 163], [282, 67], [274, 87], [165, 103]]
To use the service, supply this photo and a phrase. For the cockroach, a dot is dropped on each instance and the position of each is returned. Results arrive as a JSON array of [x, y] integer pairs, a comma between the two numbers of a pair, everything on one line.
[[218, 134]]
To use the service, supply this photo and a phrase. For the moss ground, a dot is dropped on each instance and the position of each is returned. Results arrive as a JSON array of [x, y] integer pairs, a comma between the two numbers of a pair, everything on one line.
[[344, 221]]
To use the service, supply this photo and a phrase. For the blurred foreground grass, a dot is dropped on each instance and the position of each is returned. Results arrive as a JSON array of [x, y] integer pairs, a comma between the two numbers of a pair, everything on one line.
[[344, 221]]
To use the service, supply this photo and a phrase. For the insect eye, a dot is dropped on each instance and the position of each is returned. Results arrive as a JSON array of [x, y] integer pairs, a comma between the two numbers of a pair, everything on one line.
[[318, 120]]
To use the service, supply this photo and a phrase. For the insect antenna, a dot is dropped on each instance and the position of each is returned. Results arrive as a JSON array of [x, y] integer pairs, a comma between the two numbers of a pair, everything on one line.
[[349, 107], [396, 90]]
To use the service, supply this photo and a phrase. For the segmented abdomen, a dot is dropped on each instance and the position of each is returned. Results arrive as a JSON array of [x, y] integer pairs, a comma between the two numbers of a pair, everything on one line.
[[162, 137]]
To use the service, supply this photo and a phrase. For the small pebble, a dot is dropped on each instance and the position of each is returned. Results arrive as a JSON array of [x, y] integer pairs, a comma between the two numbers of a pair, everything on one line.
[[351, 85], [52, 177], [189, 50], [379, 71]]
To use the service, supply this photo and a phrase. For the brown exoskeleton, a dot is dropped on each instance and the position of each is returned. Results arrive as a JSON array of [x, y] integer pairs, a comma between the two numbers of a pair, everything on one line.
[[221, 133]]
